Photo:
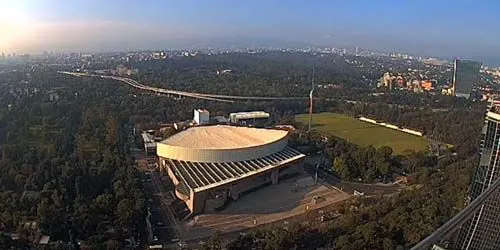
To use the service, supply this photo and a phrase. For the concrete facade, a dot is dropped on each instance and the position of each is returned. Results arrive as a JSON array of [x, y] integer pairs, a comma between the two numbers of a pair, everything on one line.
[[209, 200]]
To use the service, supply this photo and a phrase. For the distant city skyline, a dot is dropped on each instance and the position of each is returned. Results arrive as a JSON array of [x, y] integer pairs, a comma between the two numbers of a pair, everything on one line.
[[448, 29]]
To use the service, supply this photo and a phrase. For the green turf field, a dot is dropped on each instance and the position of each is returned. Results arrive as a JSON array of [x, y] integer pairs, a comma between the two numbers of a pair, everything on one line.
[[364, 133]]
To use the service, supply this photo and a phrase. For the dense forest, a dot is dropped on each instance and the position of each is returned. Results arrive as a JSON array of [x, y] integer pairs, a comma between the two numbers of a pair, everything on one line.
[[66, 167], [65, 162], [351, 162], [396, 222], [447, 125], [377, 223]]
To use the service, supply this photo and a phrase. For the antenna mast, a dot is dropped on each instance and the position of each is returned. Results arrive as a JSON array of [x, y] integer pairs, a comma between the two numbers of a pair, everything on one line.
[[311, 102]]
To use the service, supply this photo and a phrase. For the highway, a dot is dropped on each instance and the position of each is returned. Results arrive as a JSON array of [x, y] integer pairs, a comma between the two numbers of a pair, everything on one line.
[[210, 97]]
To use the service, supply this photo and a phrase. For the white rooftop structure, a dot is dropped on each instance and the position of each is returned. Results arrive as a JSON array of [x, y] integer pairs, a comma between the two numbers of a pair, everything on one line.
[[201, 116], [44, 240], [235, 117], [148, 139], [149, 142]]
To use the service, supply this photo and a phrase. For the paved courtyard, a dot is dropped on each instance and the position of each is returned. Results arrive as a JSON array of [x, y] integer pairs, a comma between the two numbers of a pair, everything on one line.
[[273, 203]]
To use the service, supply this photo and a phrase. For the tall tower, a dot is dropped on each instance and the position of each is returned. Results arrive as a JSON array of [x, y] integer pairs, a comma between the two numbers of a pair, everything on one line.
[[483, 229], [465, 77], [454, 80], [311, 102]]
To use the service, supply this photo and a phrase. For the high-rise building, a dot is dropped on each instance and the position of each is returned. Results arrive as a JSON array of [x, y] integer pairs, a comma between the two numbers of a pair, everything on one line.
[[465, 76], [483, 229]]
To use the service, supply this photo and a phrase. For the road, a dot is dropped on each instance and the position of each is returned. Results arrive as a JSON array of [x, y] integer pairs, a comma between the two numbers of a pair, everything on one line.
[[211, 97], [349, 187], [165, 209]]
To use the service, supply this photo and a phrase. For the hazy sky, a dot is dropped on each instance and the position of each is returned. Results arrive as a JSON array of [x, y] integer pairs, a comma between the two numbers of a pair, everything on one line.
[[436, 27]]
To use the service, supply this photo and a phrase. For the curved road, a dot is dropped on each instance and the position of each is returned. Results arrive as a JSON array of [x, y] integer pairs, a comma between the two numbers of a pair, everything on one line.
[[211, 97]]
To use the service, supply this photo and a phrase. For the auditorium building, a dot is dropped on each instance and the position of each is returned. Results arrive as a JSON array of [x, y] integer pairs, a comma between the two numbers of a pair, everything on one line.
[[211, 164]]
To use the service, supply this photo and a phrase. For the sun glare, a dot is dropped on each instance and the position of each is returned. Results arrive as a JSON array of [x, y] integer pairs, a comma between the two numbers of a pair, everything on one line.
[[13, 23]]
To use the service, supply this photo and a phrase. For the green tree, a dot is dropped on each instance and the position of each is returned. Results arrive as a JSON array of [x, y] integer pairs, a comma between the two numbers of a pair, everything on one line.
[[112, 245], [383, 166], [104, 204], [341, 168], [125, 213], [112, 132], [387, 244], [385, 152], [216, 242]]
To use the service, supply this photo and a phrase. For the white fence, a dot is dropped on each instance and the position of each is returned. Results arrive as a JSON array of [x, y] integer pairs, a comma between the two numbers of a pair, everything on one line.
[[391, 126]]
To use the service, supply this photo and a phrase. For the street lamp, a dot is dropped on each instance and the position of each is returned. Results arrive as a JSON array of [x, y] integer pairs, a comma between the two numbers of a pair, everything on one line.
[[316, 174]]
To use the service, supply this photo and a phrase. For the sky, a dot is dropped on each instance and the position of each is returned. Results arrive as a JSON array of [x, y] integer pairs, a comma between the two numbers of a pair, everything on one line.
[[444, 28]]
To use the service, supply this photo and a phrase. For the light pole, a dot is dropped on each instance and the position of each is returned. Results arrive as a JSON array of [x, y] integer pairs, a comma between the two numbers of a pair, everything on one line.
[[316, 174], [311, 101]]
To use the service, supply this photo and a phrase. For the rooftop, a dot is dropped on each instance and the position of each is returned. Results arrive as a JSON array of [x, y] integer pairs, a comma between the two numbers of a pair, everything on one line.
[[249, 115], [148, 140], [200, 176], [224, 137], [493, 115]]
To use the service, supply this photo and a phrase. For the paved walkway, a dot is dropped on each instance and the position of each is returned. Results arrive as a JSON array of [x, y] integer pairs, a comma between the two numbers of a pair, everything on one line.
[[268, 205]]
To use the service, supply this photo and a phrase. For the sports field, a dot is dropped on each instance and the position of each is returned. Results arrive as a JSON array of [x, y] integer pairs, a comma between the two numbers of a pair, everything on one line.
[[364, 133]]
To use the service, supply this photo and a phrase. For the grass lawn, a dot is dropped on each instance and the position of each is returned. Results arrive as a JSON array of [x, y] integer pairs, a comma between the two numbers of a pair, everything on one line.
[[364, 133]]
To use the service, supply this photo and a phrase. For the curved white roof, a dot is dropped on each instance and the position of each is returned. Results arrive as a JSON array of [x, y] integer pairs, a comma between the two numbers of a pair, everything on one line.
[[222, 143], [224, 137]]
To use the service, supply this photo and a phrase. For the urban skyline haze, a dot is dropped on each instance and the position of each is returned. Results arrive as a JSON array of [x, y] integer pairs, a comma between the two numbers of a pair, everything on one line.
[[448, 29]]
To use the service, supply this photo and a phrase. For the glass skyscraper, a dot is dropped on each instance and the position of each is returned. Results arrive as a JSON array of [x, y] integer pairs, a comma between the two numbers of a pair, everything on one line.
[[465, 76], [482, 231]]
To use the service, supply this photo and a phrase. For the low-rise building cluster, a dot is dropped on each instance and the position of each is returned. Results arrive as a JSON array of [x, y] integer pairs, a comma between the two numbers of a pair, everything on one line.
[[407, 82]]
